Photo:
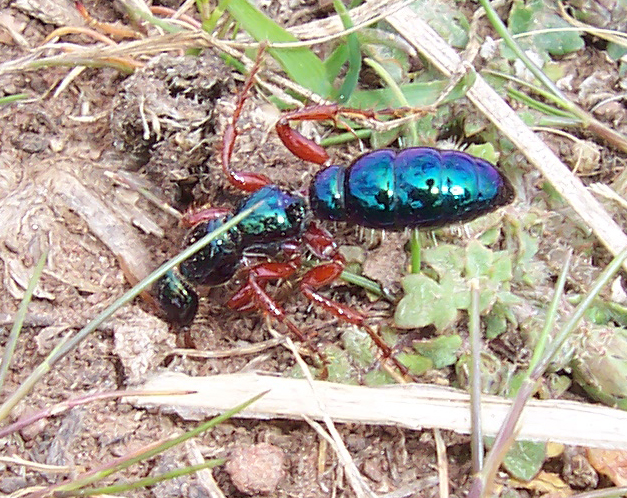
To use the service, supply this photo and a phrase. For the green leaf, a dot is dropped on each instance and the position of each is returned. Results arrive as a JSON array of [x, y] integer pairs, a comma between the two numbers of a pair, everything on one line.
[[339, 366], [417, 94], [354, 56], [415, 363], [300, 63], [445, 258], [615, 51], [484, 151], [358, 345], [537, 14], [334, 62], [461, 87], [524, 459], [495, 322], [478, 259], [378, 378], [394, 59], [445, 18], [424, 303], [455, 288], [443, 351], [501, 268]]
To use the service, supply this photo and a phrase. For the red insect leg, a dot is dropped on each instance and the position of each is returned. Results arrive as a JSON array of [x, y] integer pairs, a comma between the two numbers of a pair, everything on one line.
[[322, 244], [248, 182], [192, 217], [253, 295], [302, 147]]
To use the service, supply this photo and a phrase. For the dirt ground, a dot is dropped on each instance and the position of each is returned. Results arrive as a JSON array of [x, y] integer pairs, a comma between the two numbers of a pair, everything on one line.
[[57, 154]]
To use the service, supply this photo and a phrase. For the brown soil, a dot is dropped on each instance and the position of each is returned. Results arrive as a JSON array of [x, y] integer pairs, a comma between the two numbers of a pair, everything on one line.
[[56, 195]]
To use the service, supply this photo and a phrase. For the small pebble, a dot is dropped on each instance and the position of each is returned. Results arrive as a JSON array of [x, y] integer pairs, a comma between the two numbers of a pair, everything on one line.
[[256, 469], [10, 485]]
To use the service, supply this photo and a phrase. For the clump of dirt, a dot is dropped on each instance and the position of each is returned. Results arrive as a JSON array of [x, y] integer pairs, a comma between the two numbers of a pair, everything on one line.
[[256, 469], [164, 120]]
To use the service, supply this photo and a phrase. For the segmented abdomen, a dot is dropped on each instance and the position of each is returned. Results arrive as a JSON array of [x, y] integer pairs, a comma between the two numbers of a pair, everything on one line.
[[419, 187]]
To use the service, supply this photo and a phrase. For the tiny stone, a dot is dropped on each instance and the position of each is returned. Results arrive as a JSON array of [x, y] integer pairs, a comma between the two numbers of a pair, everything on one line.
[[372, 469], [256, 469], [10, 485], [31, 431]]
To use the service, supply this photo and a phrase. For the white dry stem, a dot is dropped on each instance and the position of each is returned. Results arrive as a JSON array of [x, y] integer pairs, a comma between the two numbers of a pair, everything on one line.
[[411, 406], [490, 103]]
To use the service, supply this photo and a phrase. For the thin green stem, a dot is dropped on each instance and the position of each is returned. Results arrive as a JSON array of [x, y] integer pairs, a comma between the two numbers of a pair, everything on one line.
[[64, 348], [142, 483], [526, 84], [509, 40], [551, 316], [368, 284], [19, 318], [155, 450], [415, 251], [540, 106], [476, 441], [397, 92], [348, 136], [482, 483], [588, 121]]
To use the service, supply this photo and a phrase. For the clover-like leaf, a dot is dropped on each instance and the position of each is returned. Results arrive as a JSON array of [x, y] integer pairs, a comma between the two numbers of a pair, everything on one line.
[[478, 259], [524, 459], [537, 14], [444, 259], [415, 363], [424, 303], [443, 351], [455, 289], [501, 268]]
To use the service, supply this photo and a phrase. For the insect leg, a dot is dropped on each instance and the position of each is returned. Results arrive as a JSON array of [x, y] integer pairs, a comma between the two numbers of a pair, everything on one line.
[[248, 182], [253, 295], [307, 149], [322, 244], [193, 216]]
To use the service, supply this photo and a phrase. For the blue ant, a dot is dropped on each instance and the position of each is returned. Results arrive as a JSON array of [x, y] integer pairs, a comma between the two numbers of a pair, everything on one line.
[[418, 187]]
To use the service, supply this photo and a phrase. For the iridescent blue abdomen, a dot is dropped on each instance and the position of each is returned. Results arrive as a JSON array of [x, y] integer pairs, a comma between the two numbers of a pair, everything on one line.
[[419, 187]]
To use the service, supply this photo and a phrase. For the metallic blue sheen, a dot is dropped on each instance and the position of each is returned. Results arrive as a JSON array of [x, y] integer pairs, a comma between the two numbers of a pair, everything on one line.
[[178, 300], [419, 187], [280, 217], [326, 194], [369, 190], [218, 261]]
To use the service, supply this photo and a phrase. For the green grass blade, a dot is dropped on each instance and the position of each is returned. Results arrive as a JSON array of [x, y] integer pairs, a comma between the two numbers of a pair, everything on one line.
[[333, 63], [354, 56], [9, 99], [19, 319], [209, 24], [64, 347], [416, 94], [153, 451], [300, 63], [143, 483]]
